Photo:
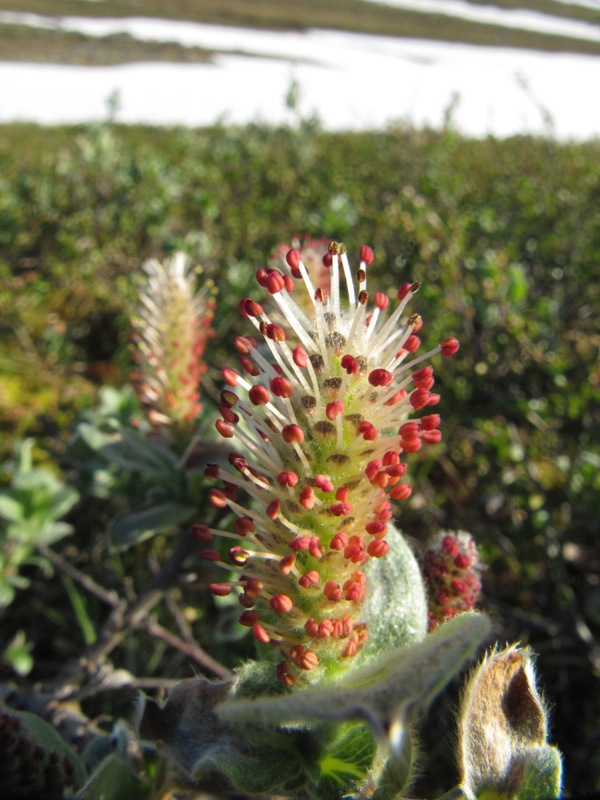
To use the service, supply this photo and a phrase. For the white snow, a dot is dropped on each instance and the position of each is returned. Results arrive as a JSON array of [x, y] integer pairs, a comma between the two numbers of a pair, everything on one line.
[[351, 81]]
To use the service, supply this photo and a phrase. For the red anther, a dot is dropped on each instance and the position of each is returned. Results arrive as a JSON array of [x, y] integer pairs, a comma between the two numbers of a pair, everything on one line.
[[350, 364], [412, 344], [293, 258], [354, 588], [332, 591], [281, 603], [228, 399], [376, 528], [355, 550], [311, 626], [281, 387], [238, 461], [309, 660], [434, 399], [253, 587], [382, 509], [202, 532], [403, 290], [230, 376], [307, 498], [259, 395], [408, 430], [346, 621], [252, 308], [381, 300], [368, 430], [342, 494], [339, 541], [390, 458], [277, 369], [340, 509], [430, 422], [327, 260], [450, 545], [462, 561], [431, 437], [260, 633], [249, 366], [314, 547], [292, 433], [423, 378], [401, 491], [334, 409], [273, 509], [287, 564], [350, 650], [228, 415], [249, 618], [239, 556], [224, 428], [300, 543], [284, 676], [244, 525], [378, 548], [337, 628], [275, 332], [420, 398], [396, 398], [324, 483], [396, 471], [261, 276], [288, 283], [372, 469], [287, 478], [366, 254], [449, 346], [300, 357], [324, 629], [220, 589], [380, 377], [275, 282], [244, 344], [310, 578], [217, 498], [458, 586], [210, 555], [382, 479], [246, 601]]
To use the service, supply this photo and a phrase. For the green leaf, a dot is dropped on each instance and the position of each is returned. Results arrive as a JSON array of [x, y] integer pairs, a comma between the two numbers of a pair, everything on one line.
[[18, 654], [543, 775], [51, 741], [115, 780], [78, 603], [10, 509], [141, 525], [131, 451], [345, 761]]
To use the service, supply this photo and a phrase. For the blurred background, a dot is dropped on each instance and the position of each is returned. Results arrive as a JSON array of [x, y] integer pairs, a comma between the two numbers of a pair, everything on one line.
[[459, 139]]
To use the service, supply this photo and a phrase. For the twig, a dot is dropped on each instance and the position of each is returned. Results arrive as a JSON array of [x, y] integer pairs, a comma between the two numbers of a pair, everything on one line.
[[192, 650], [89, 584]]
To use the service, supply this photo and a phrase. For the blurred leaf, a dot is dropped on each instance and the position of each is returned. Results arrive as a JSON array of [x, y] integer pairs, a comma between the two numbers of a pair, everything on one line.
[[141, 525]]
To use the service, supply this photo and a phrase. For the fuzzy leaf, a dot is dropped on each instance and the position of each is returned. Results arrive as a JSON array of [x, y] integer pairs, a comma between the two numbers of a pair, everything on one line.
[[542, 779], [131, 451], [200, 744], [387, 693], [396, 605], [138, 526], [503, 731]]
